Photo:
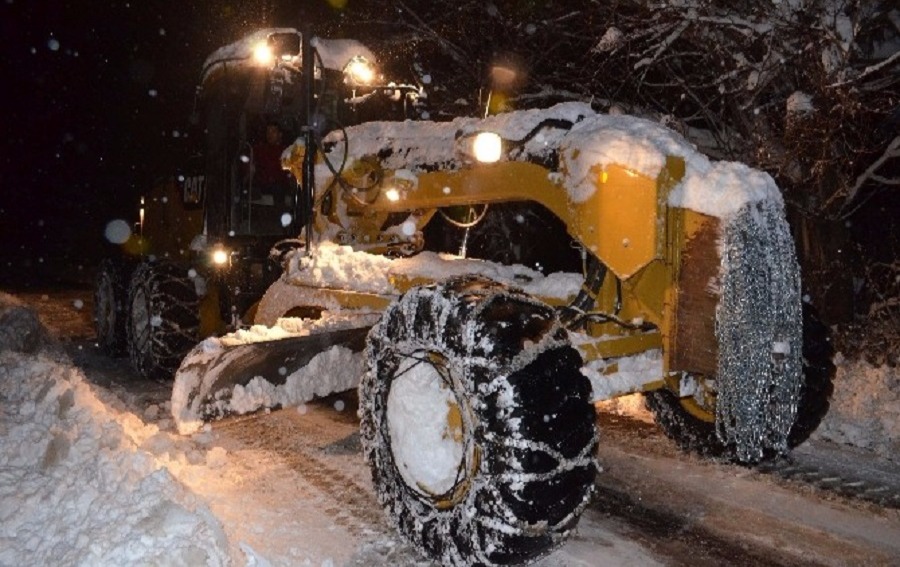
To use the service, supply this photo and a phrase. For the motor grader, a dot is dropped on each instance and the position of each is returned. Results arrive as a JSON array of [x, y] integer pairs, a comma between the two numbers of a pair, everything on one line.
[[477, 379]]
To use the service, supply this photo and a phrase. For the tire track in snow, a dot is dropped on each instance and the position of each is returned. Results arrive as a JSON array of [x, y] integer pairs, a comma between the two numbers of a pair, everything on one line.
[[294, 440]]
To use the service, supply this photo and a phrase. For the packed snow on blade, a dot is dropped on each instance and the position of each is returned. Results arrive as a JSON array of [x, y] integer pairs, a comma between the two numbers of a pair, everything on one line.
[[269, 367]]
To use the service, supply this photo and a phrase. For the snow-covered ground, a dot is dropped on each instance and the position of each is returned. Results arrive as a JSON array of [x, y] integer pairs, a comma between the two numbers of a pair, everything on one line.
[[865, 408], [87, 480], [78, 485]]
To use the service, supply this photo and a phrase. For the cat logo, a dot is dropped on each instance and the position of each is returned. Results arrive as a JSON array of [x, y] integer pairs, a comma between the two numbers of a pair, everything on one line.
[[192, 189]]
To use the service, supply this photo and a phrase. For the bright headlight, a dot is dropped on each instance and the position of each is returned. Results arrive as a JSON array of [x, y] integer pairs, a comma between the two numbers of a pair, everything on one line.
[[263, 54], [359, 71], [487, 147], [220, 257]]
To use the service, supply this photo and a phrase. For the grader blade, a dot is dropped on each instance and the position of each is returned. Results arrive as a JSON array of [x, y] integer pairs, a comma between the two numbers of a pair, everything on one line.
[[216, 381]]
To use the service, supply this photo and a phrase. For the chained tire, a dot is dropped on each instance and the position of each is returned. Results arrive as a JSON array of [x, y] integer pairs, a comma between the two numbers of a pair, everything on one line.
[[163, 323], [477, 423], [697, 433], [110, 311]]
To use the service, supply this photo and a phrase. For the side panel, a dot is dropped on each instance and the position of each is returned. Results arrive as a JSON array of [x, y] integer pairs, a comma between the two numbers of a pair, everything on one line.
[[621, 222], [171, 222], [691, 324]]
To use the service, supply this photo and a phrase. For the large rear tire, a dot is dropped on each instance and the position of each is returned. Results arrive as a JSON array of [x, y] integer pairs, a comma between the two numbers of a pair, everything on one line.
[[110, 312], [164, 320], [693, 428], [477, 423]]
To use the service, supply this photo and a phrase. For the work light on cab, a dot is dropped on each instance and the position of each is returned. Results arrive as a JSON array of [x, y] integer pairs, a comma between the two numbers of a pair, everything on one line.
[[263, 54], [359, 71], [284, 46]]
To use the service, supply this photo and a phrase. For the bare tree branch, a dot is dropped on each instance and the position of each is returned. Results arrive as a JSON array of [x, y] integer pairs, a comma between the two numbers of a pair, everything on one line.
[[892, 151]]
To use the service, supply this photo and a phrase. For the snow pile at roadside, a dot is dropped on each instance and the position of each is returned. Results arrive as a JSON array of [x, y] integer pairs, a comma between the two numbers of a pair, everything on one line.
[[75, 487], [865, 408]]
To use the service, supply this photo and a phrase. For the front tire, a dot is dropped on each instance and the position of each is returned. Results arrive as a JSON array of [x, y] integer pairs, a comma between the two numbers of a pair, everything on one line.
[[477, 423], [164, 320]]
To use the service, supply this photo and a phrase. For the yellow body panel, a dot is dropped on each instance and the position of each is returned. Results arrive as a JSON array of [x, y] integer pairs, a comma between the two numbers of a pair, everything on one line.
[[610, 346], [625, 222], [619, 222], [170, 225]]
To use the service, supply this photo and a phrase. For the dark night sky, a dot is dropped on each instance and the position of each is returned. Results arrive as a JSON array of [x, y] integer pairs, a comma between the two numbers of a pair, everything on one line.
[[93, 93]]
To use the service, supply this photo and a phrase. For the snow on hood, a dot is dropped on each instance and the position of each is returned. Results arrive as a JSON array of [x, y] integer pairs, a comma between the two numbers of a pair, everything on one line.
[[579, 136], [341, 267], [722, 188]]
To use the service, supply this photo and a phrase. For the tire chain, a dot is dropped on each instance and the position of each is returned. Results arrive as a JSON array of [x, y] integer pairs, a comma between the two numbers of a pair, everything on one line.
[[867, 490]]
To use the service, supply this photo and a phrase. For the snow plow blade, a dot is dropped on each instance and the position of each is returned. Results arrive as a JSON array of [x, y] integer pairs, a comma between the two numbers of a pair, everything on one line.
[[215, 381]]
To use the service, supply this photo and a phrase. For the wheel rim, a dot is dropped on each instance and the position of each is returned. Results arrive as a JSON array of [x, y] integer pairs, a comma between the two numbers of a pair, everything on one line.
[[429, 430], [702, 403]]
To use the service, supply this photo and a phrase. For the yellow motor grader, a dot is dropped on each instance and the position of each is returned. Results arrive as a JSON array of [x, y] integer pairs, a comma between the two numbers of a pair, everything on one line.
[[476, 379]]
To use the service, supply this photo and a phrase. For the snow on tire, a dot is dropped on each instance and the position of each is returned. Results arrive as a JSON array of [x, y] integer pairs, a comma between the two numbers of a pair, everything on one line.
[[110, 314], [477, 424], [163, 322]]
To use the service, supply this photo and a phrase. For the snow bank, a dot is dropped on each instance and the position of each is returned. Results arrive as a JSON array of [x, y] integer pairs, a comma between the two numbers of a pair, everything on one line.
[[76, 488], [86, 482], [865, 408], [864, 411]]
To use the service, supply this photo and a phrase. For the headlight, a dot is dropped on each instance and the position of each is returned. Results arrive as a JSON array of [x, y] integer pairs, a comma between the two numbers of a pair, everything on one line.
[[487, 147], [263, 54], [359, 71], [220, 257], [280, 46]]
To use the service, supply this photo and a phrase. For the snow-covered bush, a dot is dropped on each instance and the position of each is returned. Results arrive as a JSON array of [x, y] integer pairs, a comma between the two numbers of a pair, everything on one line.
[[807, 90]]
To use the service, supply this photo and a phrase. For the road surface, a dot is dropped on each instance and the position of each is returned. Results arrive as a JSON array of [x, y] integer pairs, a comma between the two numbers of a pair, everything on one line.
[[290, 487]]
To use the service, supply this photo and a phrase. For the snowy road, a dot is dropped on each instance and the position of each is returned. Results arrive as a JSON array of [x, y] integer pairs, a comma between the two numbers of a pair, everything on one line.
[[290, 487]]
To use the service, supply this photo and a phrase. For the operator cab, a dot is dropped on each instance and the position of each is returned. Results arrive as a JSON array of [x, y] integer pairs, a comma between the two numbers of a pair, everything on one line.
[[250, 88], [257, 84]]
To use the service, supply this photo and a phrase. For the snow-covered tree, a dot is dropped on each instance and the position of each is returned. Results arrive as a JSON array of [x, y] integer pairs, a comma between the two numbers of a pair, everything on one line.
[[808, 90]]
